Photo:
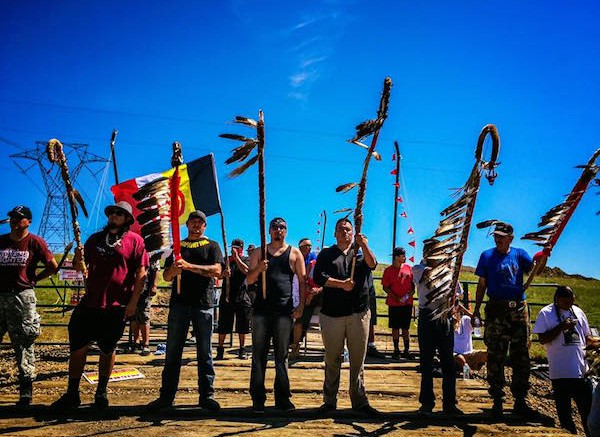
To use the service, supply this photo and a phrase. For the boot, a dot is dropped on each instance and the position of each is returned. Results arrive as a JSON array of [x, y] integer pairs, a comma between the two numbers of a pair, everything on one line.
[[25, 393], [220, 353], [497, 409]]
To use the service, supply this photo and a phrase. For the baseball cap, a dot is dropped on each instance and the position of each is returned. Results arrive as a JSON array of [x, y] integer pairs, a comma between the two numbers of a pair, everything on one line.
[[121, 206], [503, 229], [20, 211], [197, 214], [398, 251], [237, 242]]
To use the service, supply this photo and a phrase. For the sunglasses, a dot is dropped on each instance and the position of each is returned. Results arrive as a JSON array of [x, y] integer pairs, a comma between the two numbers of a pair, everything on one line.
[[116, 212]]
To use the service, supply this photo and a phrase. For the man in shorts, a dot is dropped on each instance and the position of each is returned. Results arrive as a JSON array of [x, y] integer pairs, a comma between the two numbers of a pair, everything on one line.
[[397, 282], [141, 323], [20, 253], [116, 272], [237, 305]]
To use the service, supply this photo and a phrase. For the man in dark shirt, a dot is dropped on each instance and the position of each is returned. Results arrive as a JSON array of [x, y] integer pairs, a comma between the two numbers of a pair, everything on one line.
[[237, 305], [273, 316], [20, 252], [201, 262], [345, 315], [116, 260]]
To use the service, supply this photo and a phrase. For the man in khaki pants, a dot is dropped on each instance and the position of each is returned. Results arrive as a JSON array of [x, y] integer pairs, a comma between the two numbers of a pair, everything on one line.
[[345, 314]]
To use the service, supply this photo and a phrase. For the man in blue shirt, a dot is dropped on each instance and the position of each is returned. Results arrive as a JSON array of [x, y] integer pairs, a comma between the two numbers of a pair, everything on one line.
[[500, 272]]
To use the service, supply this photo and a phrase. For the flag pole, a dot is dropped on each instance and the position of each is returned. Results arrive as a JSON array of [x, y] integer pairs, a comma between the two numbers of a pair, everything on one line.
[[176, 161], [396, 190], [113, 156]]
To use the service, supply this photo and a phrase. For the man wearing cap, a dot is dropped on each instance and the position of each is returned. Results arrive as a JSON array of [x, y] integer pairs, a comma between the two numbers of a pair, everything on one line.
[[116, 273], [237, 304], [201, 262], [397, 282], [273, 315], [313, 297], [345, 315], [435, 335], [20, 253], [500, 272]]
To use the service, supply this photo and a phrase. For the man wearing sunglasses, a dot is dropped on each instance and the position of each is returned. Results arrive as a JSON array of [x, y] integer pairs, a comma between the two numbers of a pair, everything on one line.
[[116, 261], [20, 253], [274, 314]]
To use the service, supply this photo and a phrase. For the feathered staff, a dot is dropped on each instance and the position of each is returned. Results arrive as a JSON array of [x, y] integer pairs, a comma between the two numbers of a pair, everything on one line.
[[554, 221], [446, 248], [240, 154], [176, 161], [363, 130], [154, 200], [55, 152]]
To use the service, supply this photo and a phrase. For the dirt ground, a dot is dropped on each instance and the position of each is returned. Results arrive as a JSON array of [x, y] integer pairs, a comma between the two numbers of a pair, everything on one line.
[[392, 387]]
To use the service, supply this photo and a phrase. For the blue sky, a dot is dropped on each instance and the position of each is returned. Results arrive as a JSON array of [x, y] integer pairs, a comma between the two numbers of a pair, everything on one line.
[[158, 73]]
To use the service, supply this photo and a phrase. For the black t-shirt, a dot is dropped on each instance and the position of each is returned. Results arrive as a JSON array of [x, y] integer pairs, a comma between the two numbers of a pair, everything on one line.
[[332, 263], [237, 290], [196, 290]]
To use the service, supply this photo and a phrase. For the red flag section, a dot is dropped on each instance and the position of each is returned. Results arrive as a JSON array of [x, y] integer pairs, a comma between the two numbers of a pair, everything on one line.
[[410, 230], [411, 243], [394, 171], [175, 214], [412, 259], [399, 199], [403, 214]]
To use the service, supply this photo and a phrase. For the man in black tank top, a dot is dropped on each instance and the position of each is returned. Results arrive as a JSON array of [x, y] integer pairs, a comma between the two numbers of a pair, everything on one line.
[[274, 315]]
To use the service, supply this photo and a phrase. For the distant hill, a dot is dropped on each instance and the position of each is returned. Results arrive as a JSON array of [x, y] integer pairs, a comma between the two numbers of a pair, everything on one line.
[[548, 272]]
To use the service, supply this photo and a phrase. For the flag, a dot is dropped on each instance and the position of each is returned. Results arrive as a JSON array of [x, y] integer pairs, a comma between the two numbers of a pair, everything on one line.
[[397, 184], [412, 243], [410, 230], [394, 171], [403, 214], [198, 188], [412, 259], [394, 157], [399, 199]]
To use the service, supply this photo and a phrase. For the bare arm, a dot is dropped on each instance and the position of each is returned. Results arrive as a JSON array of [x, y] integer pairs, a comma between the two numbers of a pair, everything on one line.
[[211, 270], [368, 255], [300, 269], [479, 294], [256, 267], [50, 268], [140, 280], [241, 264]]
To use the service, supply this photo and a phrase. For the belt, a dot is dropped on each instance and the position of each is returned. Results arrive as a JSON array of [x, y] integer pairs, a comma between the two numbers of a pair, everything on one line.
[[507, 303]]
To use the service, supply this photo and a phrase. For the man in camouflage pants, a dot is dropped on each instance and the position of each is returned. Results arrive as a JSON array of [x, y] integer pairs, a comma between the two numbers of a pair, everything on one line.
[[20, 253], [500, 272]]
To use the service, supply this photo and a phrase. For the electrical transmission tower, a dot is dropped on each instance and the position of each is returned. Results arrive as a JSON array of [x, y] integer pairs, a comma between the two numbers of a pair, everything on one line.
[[55, 222]]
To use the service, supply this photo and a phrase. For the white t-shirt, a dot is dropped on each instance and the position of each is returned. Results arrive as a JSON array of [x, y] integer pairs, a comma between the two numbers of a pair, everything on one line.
[[566, 354], [463, 342]]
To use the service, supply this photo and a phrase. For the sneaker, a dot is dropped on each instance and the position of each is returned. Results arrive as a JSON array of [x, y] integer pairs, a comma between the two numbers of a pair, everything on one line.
[[367, 410], [497, 409], [326, 408], [258, 407], [101, 400], [67, 401], [145, 351], [25, 393], [160, 404], [452, 411], [285, 405], [242, 354], [210, 404], [295, 352], [407, 356], [374, 353], [220, 353]]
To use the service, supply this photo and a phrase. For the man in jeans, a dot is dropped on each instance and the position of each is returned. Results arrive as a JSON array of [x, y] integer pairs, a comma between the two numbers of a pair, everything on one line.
[[345, 315], [434, 335], [20, 253], [274, 314], [201, 261]]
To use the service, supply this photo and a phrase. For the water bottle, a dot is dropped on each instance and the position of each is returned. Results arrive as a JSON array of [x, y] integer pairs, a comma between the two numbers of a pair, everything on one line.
[[477, 327], [466, 372]]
